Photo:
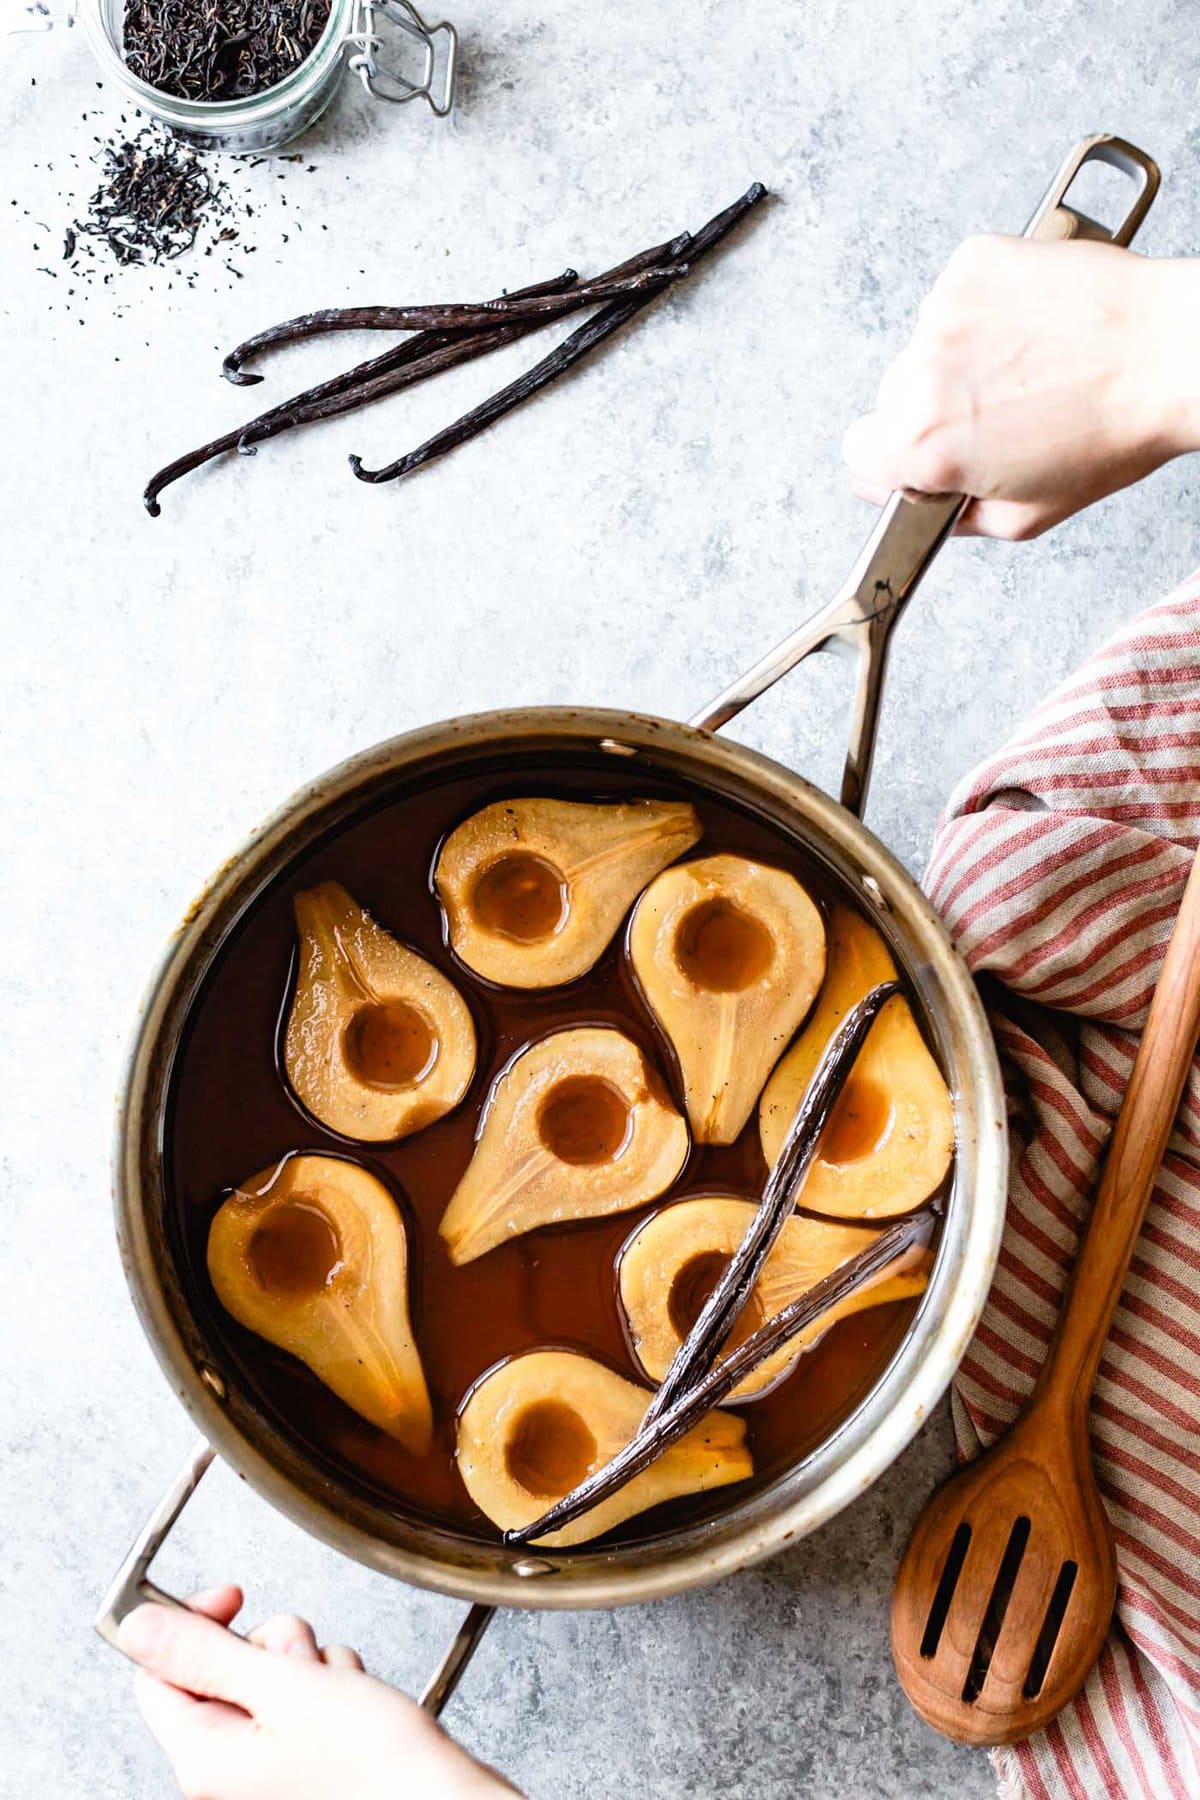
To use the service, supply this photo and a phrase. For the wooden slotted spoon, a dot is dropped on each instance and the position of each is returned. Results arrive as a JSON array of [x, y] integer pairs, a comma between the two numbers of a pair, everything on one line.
[[1004, 1595]]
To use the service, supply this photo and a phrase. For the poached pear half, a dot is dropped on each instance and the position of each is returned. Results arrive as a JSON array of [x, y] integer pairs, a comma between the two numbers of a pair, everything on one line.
[[537, 1425], [574, 1127], [889, 1141], [534, 891], [312, 1255], [378, 1042], [729, 954], [673, 1262]]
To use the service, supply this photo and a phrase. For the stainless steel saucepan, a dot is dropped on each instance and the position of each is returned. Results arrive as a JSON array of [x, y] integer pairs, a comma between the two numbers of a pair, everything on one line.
[[859, 620]]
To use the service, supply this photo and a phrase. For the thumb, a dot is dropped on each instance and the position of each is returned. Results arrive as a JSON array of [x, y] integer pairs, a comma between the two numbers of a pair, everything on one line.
[[197, 1655]]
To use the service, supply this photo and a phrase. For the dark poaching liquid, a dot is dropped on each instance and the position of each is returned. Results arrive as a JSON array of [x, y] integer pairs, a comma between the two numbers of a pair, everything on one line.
[[231, 1114]]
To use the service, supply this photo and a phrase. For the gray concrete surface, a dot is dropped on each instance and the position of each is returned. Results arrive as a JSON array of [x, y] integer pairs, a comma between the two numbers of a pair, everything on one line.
[[633, 538]]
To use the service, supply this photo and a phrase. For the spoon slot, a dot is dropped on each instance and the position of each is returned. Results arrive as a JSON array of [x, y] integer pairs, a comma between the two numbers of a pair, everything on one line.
[[997, 1606], [1052, 1624], [938, 1612]]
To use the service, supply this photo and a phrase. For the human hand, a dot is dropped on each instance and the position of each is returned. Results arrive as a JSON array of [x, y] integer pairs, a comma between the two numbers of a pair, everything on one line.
[[272, 1717], [1040, 377]]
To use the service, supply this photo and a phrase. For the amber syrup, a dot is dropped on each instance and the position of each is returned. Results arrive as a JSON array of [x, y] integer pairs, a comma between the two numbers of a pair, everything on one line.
[[232, 1113]]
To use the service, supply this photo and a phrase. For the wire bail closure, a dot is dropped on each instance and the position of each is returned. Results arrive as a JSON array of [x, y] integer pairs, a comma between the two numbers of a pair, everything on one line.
[[440, 61]]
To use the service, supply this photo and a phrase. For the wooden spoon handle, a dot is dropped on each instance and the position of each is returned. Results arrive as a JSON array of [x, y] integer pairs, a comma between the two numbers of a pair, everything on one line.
[[1135, 1152]]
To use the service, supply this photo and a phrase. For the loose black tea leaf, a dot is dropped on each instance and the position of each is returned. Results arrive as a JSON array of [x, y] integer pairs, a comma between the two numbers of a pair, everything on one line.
[[155, 196], [139, 197], [220, 49]]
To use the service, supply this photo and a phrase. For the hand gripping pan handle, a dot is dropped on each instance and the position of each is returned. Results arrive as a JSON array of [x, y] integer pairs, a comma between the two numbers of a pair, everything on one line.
[[912, 528], [905, 541]]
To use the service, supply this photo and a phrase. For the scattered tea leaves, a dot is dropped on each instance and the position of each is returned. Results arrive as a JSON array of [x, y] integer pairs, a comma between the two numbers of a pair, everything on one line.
[[156, 196]]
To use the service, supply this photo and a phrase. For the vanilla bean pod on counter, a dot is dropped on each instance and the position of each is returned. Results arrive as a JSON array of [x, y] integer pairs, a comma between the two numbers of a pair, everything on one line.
[[425, 353], [523, 388], [389, 372], [410, 361], [418, 357], [449, 336], [564, 357], [452, 352], [294, 329], [509, 309]]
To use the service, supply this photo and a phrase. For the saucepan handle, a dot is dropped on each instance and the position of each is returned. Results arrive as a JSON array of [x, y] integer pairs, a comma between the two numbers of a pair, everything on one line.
[[133, 1585], [912, 528]]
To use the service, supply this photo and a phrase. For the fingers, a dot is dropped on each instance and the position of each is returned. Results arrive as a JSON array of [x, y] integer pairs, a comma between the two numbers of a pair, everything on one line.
[[196, 1654], [1008, 520], [220, 1603], [170, 1713], [341, 1656], [284, 1635], [173, 1715], [869, 490], [287, 1635], [881, 454], [920, 431], [165, 1709], [1011, 520], [211, 1746]]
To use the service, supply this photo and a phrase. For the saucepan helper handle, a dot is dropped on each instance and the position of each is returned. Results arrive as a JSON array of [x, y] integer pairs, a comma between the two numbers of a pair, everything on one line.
[[912, 528], [133, 1585]]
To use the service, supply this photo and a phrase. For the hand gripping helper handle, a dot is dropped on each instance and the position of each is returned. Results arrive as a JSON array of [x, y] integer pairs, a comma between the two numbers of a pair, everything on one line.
[[133, 1585]]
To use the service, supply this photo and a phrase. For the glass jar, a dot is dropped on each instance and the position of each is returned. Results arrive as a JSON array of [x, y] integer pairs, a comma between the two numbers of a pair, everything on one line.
[[351, 40]]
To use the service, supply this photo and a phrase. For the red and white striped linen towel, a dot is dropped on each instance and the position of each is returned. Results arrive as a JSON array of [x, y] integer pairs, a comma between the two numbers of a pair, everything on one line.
[[1059, 868]]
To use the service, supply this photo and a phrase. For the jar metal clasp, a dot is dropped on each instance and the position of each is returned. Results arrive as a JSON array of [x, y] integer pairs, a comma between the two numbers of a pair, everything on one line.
[[439, 46]]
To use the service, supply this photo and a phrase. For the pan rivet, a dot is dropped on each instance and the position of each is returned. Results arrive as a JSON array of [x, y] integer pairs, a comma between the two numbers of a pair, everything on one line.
[[615, 748], [875, 893], [214, 1382], [532, 1565]]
